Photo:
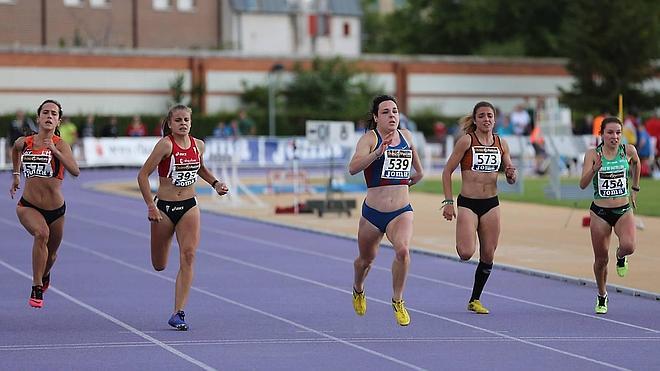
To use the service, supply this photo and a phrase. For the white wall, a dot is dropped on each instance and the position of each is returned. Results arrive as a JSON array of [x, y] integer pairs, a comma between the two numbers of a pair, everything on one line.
[[266, 34], [452, 94], [86, 90]]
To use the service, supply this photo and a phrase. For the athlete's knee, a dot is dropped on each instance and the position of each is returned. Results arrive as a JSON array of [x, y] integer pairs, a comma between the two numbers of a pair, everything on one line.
[[402, 254], [41, 236], [187, 258], [464, 254], [601, 260], [364, 262], [625, 248]]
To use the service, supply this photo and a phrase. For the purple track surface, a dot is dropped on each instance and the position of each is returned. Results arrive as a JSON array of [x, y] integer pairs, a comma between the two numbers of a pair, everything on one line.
[[267, 297]]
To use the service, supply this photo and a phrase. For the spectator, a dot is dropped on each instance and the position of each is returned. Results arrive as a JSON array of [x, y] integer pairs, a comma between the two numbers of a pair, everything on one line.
[[158, 129], [406, 123], [245, 124], [20, 126], [653, 128], [644, 149], [225, 131], [538, 142], [630, 130], [520, 120], [502, 123], [88, 130], [110, 129], [136, 128], [68, 131], [440, 131], [598, 120]]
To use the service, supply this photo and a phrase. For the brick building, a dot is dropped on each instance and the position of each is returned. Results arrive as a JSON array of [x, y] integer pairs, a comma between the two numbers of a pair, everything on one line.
[[326, 27]]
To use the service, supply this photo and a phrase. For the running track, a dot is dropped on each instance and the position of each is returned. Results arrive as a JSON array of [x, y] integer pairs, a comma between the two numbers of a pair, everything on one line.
[[267, 297]]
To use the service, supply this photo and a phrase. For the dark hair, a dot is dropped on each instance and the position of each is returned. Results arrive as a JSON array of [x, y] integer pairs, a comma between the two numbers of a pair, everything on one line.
[[167, 130], [468, 122], [59, 107], [609, 120], [371, 123]]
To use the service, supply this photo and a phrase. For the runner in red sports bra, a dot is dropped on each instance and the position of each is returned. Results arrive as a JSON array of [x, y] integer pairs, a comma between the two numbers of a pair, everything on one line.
[[178, 156]]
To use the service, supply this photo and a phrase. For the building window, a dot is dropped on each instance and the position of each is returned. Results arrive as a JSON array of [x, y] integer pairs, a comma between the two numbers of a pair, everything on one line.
[[186, 5], [162, 4], [99, 3], [347, 29], [76, 3]]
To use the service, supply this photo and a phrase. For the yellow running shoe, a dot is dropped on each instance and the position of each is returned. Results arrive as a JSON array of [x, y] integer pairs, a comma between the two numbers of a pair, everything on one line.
[[622, 266], [601, 304], [476, 307], [400, 312], [359, 302]]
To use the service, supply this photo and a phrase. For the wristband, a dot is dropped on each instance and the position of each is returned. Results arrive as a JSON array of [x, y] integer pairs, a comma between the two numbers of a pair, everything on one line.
[[447, 202], [16, 173], [214, 183], [636, 189]]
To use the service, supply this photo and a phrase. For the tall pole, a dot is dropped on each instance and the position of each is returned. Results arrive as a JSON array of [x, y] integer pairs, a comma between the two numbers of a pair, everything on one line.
[[271, 105]]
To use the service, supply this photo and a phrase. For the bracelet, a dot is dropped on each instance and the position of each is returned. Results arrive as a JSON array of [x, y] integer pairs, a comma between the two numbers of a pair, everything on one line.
[[214, 183], [636, 189]]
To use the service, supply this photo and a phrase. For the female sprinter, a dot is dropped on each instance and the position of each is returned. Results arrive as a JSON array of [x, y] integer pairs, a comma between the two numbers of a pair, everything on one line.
[[480, 153], [44, 157], [386, 155], [179, 159], [607, 167]]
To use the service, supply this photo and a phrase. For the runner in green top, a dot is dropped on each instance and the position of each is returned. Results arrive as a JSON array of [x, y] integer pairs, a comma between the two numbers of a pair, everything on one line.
[[609, 168]]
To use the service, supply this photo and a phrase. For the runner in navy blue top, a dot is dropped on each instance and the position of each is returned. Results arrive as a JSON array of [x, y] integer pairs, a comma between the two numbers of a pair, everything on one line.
[[387, 157]]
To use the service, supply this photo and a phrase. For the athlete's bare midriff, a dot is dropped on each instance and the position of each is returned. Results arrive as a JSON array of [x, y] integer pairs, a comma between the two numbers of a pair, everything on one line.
[[387, 198], [169, 192], [45, 193], [478, 185]]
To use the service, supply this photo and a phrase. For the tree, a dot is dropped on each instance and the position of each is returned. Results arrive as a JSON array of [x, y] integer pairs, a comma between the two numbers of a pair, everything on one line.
[[329, 89], [611, 46], [484, 27]]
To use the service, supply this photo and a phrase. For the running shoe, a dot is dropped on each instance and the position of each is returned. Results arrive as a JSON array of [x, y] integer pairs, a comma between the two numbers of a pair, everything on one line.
[[178, 321], [36, 297], [45, 282], [476, 307], [622, 266], [400, 312], [359, 302], [601, 304]]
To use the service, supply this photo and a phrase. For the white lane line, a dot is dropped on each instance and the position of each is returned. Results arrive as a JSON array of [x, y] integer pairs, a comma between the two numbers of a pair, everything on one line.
[[321, 284], [285, 341], [245, 306], [208, 293], [425, 278], [386, 269], [114, 320]]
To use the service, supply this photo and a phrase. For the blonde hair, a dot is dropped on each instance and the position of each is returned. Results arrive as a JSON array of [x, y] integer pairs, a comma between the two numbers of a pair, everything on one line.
[[167, 130]]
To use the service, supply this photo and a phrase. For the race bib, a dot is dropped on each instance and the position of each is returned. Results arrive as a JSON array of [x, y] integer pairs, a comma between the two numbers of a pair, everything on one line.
[[486, 159], [612, 183], [38, 165], [397, 164], [184, 175]]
